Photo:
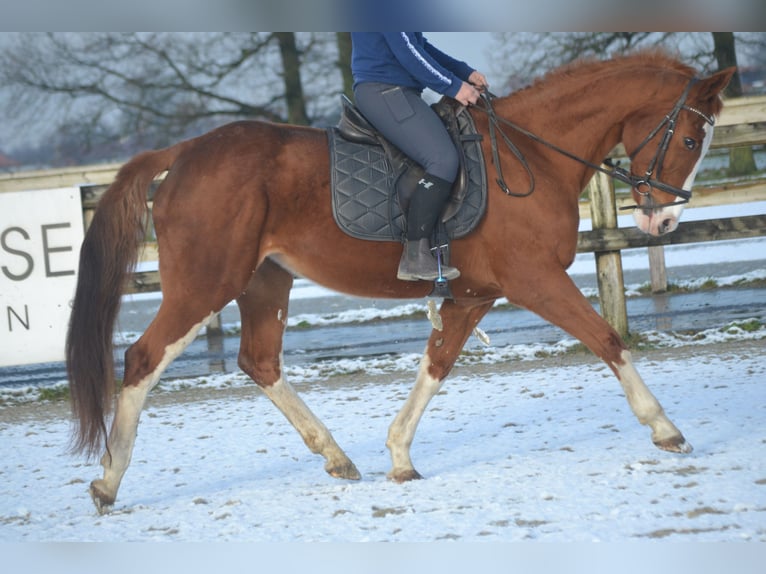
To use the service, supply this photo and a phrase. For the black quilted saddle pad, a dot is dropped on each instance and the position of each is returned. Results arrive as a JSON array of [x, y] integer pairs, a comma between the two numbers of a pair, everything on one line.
[[364, 201]]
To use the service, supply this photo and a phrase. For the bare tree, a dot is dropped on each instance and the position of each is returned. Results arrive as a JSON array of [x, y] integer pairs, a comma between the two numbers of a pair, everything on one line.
[[156, 87], [344, 62], [291, 66], [520, 57]]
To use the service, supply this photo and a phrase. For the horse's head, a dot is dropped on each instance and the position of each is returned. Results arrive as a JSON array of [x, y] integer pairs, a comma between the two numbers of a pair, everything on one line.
[[666, 145]]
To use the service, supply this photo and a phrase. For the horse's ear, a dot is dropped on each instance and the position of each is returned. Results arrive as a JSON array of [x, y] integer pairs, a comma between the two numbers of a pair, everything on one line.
[[716, 83]]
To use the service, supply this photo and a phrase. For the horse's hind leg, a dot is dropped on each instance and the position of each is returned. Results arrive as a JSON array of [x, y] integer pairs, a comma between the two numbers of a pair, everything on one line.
[[439, 358], [263, 308], [167, 336]]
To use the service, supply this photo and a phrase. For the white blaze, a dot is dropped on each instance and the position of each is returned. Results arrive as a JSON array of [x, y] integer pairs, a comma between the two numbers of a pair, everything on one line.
[[705, 145], [648, 222]]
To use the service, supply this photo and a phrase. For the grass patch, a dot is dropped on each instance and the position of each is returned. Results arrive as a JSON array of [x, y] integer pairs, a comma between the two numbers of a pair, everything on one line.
[[59, 393], [707, 285], [571, 350], [577, 349], [639, 342], [749, 283], [750, 326]]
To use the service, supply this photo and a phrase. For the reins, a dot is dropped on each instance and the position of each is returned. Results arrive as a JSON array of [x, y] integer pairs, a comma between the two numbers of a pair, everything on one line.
[[494, 120], [643, 184]]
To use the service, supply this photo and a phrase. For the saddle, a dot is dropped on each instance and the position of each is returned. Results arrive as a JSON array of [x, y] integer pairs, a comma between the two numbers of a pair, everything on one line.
[[372, 181]]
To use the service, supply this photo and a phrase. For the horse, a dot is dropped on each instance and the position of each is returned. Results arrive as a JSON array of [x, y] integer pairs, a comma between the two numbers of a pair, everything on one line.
[[245, 208]]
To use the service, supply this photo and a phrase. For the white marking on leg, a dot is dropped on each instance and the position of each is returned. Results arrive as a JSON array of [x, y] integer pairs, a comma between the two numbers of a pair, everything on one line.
[[645, 406], [130, 402], [481, 336], [402, 429], [434, 316], [315, 434]]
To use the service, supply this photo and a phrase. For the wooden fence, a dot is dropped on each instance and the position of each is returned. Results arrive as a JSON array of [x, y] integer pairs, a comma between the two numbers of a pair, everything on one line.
[[742, 123]]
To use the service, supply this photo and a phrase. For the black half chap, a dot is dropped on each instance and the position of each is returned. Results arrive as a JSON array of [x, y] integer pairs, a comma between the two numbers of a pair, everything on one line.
[[409, 123]]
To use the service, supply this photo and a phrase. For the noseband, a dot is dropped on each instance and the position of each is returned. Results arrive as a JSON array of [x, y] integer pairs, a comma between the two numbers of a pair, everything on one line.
[[643, 184]]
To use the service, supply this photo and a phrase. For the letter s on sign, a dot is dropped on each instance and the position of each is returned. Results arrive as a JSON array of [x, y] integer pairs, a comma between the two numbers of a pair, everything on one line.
[[30, 264]]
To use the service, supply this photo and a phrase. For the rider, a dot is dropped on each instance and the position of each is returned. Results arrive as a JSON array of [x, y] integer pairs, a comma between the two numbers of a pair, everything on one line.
[[390, 71]]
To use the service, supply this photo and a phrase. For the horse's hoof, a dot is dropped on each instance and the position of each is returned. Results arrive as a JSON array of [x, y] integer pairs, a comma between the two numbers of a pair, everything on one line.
[[103, 501], [404, 475], [676, 444], [346, 470]]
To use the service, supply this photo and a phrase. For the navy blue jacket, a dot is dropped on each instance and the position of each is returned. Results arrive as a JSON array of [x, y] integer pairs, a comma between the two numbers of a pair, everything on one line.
[[405, 59]]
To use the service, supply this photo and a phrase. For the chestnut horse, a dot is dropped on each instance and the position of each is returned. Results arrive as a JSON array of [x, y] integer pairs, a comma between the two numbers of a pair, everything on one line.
[[245, 207]]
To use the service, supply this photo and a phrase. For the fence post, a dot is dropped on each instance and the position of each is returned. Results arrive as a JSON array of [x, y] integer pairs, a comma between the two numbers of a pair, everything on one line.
[[214, 328], [657, 272], [611, 289]]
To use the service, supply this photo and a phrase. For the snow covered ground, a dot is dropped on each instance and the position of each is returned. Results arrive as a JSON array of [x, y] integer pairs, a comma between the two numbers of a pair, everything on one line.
[[511, 452]]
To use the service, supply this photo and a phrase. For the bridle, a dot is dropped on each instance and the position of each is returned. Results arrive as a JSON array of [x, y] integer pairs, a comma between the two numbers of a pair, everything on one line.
[[643, 184]]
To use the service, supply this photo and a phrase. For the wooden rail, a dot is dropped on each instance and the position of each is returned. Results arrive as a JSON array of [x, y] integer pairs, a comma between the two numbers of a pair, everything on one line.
[[599, 240]]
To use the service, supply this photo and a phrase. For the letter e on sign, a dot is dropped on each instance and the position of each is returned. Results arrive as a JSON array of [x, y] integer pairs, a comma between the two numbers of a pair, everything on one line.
[[40, 236]]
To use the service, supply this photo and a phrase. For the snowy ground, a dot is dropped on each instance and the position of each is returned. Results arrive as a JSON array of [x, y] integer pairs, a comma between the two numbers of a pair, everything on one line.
[[545, 451]]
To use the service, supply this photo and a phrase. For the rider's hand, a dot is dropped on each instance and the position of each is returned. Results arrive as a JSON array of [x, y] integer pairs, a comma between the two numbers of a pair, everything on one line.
[[478, 80], [467, 94]]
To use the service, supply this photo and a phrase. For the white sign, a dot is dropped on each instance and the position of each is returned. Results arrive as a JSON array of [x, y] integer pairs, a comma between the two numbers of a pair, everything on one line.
[[40, 237]]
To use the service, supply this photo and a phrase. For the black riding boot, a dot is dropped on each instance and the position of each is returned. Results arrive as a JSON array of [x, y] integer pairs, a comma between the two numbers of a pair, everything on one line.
[[417, 261]]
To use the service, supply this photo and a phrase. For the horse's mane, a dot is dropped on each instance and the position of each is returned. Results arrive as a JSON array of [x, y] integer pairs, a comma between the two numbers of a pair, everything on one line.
[[585, 68]]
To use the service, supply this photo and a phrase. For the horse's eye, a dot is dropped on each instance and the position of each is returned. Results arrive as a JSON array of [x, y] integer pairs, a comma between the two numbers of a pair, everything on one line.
[[690, 143]]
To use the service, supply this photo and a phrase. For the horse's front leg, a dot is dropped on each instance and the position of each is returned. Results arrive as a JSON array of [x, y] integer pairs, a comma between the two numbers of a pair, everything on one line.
[[647, 408], [440, 355], [558, 300], [263, 309]]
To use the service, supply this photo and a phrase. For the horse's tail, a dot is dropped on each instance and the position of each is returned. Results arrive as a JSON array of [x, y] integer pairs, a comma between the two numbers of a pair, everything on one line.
[[109, 253]]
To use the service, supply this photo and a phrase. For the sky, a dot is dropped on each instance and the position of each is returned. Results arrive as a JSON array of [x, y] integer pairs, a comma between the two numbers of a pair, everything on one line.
[[471, 47]]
